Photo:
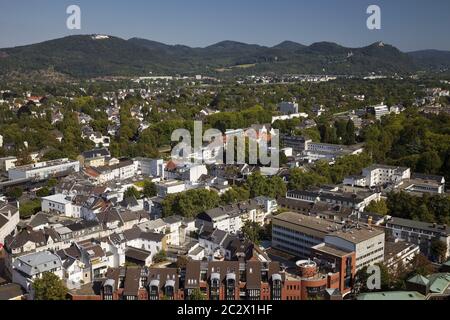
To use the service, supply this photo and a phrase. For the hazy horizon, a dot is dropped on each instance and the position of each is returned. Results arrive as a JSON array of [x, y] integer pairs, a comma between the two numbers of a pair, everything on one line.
[[217, 42], [408, 25]]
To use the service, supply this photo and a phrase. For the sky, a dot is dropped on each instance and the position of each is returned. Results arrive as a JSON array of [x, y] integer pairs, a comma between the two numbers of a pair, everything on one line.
[[407, 24]]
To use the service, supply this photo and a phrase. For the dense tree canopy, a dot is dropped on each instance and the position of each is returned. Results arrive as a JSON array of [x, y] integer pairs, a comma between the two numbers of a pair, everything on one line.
[[49, 287]]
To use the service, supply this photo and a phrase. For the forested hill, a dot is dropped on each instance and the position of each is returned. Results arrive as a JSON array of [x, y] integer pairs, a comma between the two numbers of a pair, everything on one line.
[[87, 56]]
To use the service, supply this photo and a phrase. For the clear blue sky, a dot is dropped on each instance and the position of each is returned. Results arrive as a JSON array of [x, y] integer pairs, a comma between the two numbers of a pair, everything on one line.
[[407, 24]]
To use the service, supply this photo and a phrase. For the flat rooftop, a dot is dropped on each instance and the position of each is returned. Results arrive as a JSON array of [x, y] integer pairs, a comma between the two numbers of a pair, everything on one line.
[[59, 198], [357, 235], [391, 249], [331, 250], [170, 183], [412, 224], [307, 221], [382, 166], [41, 165], [394, 295]]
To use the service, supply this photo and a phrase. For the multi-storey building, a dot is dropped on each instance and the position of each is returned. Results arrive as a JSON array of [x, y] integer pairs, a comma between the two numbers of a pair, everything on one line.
[[218, 280], [43, 170], [356, 201], [61, 204], [150, 167], [420, 233], [27, 269], [367, 243], [231, 218], [297, 234], [379, 111], [378, 175], [7, 163], [9, 218], [312, 151], [167, 187], [119, 171], [288, 108]]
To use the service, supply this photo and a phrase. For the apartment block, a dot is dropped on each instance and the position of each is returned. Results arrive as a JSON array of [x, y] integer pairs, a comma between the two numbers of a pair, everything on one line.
[[43, 170]]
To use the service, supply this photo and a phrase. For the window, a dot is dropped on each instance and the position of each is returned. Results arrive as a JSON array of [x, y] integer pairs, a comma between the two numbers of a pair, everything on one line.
[[169, 292], [230, 289], [108, 293], [253, 294], [276, 290], [153, 293], [214, 290]]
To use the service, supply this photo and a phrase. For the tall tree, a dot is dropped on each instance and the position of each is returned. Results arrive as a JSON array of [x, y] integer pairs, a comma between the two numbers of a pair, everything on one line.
[[49, 287], [350, 133], [439, 250], [149, 189], [197, 295]]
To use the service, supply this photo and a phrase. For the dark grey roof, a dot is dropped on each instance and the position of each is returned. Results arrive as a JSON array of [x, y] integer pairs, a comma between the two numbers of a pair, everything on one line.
[[137, 254], [173, 219], [5, 209], [129, 202], [131, 285], [10, 291], [19, 240], [136, 233], [82, 225], [233, 209], [38, 262], [427, 226], [102, 152], [122, 164], [38, 220], [3, 221], [438, 179]]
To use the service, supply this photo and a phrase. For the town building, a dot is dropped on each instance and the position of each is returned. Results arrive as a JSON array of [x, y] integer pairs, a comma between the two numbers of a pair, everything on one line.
[[300, 200], [310, 151], [420, 233], [43, 170], [26, 269], [167, 187], [150, 167], [7, 163], [367, 243], [379, 175], [9, 219], [399, 253], [95, 158], [61, 204], [119, 171], [215, 244], [11, 291], [379, 111], [288, 108], [231, 218], [299, 234], [139, 242], [217, 281]]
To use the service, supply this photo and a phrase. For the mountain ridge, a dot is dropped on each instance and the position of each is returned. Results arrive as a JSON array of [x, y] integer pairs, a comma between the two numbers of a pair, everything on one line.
[[84, 56]]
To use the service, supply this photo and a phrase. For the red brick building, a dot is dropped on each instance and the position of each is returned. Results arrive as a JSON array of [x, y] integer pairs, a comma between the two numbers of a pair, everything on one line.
[[218, 280]]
